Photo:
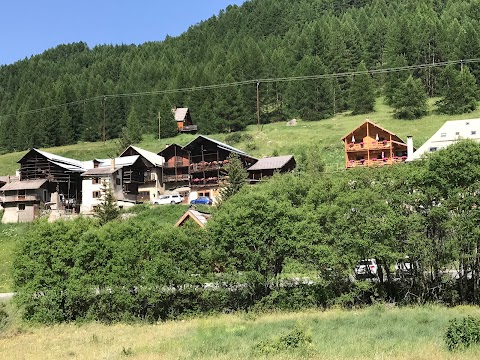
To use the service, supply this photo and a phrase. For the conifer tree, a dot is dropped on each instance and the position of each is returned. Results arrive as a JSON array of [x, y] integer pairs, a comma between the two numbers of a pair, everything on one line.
[[133, 129], [362, 97], [410, 100], [237, 176], [460, 92], [107, 209]]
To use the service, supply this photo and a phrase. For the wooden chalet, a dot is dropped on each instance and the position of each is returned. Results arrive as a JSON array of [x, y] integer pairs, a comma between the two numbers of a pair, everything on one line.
[[63, 175], [184, 120], [266, 167], [176, 170], [152, 184], [207, 158], [371, 145]]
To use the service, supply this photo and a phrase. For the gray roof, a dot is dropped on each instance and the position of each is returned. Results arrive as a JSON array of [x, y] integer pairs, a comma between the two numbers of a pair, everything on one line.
[[100, 171], [7, 179], [271, 163], [119, 162], [155, 159], [220, 145], [24, 185], [66, 163], [180, 113]]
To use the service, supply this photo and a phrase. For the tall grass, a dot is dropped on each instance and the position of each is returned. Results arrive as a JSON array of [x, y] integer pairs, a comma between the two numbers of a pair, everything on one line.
[[378, 332]]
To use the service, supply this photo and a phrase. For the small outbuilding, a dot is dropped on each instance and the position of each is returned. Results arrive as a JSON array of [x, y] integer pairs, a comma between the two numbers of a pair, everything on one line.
[[268, 166], [198, 217]]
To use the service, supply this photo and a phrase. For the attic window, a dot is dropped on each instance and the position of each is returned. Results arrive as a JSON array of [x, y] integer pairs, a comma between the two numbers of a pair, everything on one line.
[[474, 132], [443, 135], [433, 149]]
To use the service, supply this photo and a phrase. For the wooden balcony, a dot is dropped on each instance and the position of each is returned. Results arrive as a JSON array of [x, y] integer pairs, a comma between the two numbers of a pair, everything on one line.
[[206, 166], [375, 162], [20, 198], [189, 128], [376, 145], [175, 178], [176, 164]]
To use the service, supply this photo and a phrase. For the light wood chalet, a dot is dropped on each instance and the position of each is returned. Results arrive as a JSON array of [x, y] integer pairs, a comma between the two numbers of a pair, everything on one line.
[[184, 120], [371, 145]]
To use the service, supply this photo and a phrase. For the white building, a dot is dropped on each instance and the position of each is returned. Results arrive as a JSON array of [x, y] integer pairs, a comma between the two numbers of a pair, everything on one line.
[[449, 133], [123, 175]]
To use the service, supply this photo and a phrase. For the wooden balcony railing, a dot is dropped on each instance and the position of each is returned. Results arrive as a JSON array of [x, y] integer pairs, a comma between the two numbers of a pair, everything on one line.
[[376, 162], [189, 128], [376, 145], [19, 198], [207, 166], [174, 178]]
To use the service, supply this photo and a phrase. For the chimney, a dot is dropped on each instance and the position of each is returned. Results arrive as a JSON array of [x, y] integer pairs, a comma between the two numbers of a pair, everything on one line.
[[409, 148], [113, 164]]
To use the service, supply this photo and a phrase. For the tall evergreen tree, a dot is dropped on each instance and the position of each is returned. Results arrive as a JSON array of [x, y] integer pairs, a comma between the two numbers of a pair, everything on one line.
[[410, 100], [133, 128], [460, 93], [362, 96]]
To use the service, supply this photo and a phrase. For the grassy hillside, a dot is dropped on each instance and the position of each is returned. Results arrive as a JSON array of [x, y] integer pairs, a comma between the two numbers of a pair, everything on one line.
[[285, 140], [374, 333]]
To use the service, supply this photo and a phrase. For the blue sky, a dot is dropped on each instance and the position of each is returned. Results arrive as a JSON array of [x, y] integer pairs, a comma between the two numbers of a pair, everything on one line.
[[29, 27]]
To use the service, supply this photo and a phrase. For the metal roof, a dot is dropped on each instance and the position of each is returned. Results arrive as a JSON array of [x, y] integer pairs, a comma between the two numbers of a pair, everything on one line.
[[270, 163], [24, 185], [60, 159], [219, 144], [119, 162], [180, 113], [100, 171], [155, 159]]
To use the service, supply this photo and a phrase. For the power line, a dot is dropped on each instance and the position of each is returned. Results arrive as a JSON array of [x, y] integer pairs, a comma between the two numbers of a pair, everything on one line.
[[250, 82]]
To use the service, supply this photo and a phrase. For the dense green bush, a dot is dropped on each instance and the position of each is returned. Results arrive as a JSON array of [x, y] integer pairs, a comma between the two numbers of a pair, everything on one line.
[[462, 333]]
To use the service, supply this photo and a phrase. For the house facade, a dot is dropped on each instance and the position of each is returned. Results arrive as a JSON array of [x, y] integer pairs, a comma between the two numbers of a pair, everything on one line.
[[448, 134], [207, 160], [122, 175], [23, 200], [153, 184], [176, 169], [371, 145]]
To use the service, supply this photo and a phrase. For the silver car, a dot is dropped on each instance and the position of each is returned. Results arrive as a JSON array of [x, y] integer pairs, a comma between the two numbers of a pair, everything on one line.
[[168, 199]]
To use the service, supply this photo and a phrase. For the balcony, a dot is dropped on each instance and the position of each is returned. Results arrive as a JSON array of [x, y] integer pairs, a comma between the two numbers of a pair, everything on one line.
[[375, 145], [212, 181], [207, 166], [375, 162], [175, 178], [20, 198], [189, 128], [176, 164]]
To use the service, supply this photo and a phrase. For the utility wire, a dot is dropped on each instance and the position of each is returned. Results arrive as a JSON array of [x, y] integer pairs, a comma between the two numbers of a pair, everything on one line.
[[250, 82]]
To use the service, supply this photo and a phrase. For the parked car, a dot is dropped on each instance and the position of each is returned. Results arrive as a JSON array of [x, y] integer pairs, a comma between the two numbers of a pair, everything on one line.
[[406, 268], [366, 268], [203, 200], [168, 199]]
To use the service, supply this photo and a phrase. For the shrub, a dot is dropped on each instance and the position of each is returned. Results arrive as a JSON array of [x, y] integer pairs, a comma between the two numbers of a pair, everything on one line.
[[4, 319], [462, 333], [298, 338], [233, 138]]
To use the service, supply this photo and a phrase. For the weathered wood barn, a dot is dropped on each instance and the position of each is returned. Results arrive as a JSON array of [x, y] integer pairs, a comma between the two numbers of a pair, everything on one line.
[[176, 173], [184, 120], [266, 167]]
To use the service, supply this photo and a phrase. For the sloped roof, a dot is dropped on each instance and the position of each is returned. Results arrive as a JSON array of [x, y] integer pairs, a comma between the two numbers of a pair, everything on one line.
[[119, 162], [375, 125], [100, 171], [180, 113], [153, 158], [7, 179], [66, 163], [269, 163], [24, 185], [218, 143], [200, 218]]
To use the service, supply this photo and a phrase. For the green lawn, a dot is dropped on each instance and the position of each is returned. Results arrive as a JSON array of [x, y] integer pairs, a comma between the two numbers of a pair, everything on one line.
[[275, 137], [10, 234]]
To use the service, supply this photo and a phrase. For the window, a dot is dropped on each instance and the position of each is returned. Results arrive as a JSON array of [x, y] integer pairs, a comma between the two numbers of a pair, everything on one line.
[[443, 135], [97, 194], [467, 123], [117, 181], [433, 149], [21, 207], [457, 133], [474, 132], [96, 180]]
